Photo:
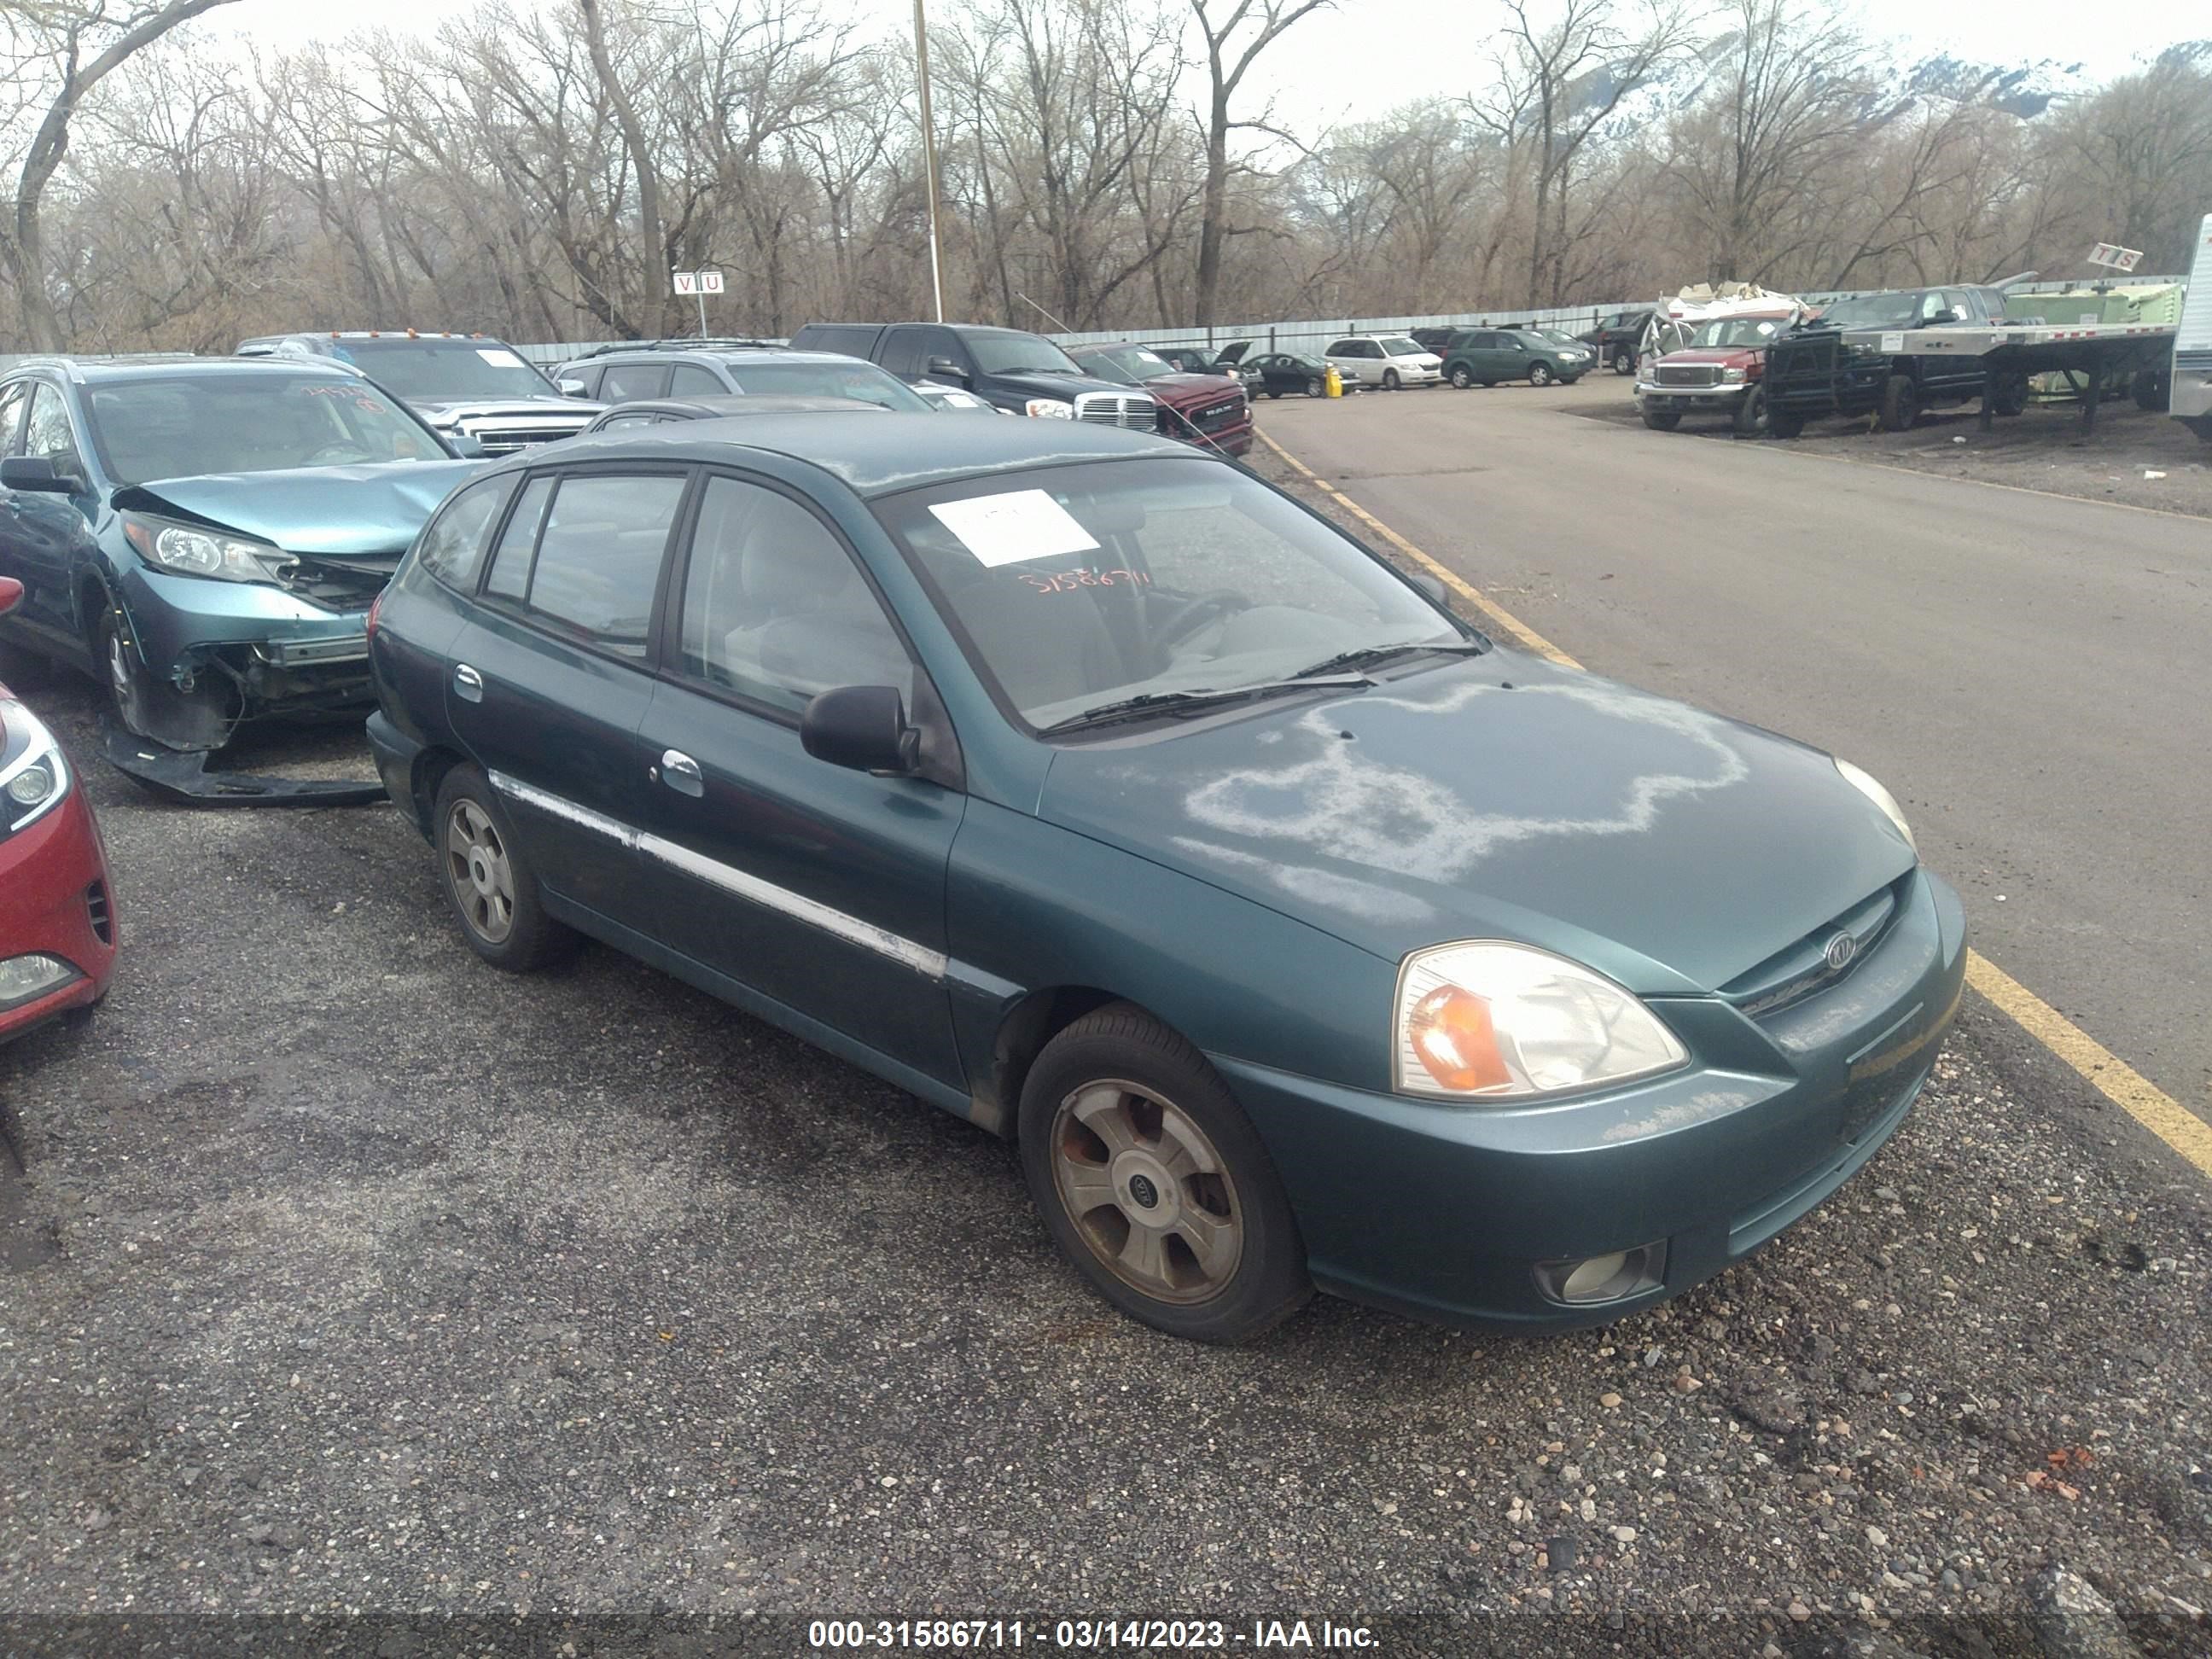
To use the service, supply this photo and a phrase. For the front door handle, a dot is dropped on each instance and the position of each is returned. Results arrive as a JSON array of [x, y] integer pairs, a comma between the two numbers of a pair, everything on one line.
[[469, 683], [681, 772]]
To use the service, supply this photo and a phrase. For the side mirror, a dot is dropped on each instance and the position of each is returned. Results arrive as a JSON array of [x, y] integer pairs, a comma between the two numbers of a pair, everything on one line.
[[572, 388], [945, 367], [467, 446], [36, 472], [11, 594], [1944, 317], [860, 726]]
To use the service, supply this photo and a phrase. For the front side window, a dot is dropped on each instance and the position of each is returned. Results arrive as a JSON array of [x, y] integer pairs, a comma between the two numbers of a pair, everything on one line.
[[1076, 586], [902, 352], [453, 544], [259, 420], [48, 435], [774, 608], [13, 398]]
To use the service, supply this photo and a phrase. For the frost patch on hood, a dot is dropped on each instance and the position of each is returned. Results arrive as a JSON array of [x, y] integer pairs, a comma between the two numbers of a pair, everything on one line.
[[1320, 888], [1341, 804]]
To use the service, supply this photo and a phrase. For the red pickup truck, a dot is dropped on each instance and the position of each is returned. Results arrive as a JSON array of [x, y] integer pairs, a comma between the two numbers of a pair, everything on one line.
[[1716, 371], [1209, 410]]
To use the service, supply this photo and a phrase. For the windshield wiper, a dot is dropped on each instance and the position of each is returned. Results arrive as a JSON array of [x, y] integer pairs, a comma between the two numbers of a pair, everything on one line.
[[1366, 656], [1155, 702]]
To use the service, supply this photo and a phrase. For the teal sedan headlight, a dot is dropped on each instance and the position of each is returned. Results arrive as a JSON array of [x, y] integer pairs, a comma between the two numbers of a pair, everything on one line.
[[1880, 797], [1497, 1021], [190, 550]]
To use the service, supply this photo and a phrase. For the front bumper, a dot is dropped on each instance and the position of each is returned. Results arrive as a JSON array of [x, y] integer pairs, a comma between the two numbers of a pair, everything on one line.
[[1444, 1212], [55, 901], [280, 651], [1692, 399]]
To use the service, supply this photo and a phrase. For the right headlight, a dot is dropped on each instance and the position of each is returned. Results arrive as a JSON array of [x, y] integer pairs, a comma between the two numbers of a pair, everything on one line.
[[1052, 408], [1492, 1021], [190, 550]]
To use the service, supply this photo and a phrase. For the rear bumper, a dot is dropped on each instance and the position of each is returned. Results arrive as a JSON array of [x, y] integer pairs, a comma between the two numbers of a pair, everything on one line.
[[396, 754], [1446, 1212], [54, 889]]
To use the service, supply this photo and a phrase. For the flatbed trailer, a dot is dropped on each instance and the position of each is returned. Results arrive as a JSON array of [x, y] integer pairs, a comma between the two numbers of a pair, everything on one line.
[[2010, 352]]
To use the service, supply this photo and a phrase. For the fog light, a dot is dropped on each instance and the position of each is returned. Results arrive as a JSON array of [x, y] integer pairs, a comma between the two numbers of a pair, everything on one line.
[[25, 979], [32, 785], [1609, 1277]]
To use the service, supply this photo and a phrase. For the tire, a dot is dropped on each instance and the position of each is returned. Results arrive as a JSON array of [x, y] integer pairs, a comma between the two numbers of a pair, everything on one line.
[[2153, 393], [1273, 393], [1389, 380], [478, 867], [1662, 420], [1486, 385], [201, 719], [1461, 378], [1123, 1118], [2201, 425], [1782, 422], [2010, 395], [1750, 420], [1900, 404], [1316, 388], [1623, 362], [1540, 374]]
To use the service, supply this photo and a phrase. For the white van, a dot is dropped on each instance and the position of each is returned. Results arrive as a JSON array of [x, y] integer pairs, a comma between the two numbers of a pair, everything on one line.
[[2193, 343]]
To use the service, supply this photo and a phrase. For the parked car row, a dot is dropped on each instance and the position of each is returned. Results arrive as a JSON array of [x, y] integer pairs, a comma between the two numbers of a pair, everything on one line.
[[1069, 777]]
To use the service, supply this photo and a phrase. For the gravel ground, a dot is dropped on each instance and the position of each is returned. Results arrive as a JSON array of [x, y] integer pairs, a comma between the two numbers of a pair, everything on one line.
[[348, 1275], [2042, 449]]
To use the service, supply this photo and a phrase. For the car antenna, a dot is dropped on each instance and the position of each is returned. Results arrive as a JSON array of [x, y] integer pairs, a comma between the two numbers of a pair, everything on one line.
[[1042, 312]]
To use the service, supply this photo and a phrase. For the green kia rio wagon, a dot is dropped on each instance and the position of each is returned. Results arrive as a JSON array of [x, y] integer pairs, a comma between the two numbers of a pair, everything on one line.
[[1092, 789]]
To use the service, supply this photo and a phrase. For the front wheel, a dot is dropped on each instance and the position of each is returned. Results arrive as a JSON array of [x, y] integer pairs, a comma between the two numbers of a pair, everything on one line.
[[1461, 378], [1662, 420], [2009, 395], [1316, 388], [1900, 404], [1153, 1181], [1750, 420], [491, 887], [1389, 380], [1623, 362], [1540, 374]]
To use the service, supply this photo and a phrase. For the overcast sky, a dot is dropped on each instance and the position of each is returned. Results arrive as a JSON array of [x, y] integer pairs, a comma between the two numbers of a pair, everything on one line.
[[1368, 55]]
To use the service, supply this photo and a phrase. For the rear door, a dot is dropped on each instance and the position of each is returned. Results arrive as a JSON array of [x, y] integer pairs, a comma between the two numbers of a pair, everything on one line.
[[551, 673], [818, 887]]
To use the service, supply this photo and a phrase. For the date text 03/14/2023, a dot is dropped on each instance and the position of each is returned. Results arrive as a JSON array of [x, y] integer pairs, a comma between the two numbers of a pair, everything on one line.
[[1087, 1635]]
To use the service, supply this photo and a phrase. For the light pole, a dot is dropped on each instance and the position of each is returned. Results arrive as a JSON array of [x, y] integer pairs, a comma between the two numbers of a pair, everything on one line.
[[929, 159]]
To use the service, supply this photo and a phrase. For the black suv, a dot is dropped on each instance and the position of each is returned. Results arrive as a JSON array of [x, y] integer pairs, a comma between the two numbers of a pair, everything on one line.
[[1022, 372], [469, 386], [1615, 339]]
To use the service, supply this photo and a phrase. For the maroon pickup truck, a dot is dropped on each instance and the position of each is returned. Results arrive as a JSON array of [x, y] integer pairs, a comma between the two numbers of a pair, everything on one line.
[[1209, 410]]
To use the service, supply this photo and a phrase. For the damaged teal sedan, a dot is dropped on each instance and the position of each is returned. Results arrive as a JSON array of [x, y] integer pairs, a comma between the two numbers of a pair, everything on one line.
[[205, 537], [1089, 787]]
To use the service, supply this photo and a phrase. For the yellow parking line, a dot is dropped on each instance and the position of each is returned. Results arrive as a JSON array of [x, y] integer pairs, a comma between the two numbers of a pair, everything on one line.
[[2104, 1071]]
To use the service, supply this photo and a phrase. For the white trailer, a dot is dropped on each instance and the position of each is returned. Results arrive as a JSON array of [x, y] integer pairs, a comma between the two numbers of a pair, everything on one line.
[[2191, 380]]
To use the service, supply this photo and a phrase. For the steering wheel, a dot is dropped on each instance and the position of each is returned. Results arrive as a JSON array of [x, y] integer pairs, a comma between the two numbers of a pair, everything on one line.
[[1188, 616], [346, 452]]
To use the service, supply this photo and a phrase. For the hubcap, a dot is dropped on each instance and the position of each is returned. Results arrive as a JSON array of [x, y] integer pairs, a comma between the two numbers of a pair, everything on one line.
[[122, 682], [476, 865], [1147, 1192]]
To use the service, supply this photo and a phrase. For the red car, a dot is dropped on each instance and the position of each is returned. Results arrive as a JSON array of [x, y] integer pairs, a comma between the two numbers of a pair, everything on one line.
[[57, 917]]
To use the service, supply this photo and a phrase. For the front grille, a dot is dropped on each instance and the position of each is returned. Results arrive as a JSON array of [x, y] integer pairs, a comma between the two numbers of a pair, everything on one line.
[[1136, 414], [1214, 416], [1798, 971], [1689, 374], [499, 439], [97, 910]]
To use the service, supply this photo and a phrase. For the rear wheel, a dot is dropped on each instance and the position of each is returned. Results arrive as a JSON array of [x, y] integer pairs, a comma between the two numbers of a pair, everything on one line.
[[1782, 422], [1900, 404], [1623, 361], [492, 890], [2009, 395], [1461, 378], [1662, 420], [1540, 374], [1271, 393], [1152, 1179], [1751, 414], [1389, 380], [2151, 389]]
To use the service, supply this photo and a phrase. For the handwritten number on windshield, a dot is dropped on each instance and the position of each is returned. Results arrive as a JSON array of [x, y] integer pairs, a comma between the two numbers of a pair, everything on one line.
[[1063, 581]]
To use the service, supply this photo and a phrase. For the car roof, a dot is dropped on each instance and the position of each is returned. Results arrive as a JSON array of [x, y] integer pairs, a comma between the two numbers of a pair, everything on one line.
[[875, 452], [95, 370], [730, 355], [714, 408], [401, 334]]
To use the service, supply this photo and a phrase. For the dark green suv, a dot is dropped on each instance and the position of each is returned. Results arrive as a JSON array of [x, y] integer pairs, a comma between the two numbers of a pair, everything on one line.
[[1484, 356]]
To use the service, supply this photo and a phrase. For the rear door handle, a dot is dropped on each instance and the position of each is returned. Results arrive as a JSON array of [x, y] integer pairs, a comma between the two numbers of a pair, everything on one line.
[[680, 773], [469, 683]]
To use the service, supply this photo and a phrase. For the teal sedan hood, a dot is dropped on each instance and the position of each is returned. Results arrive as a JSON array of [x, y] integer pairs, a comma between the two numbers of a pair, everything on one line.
[[334, 510], [1501, 797]]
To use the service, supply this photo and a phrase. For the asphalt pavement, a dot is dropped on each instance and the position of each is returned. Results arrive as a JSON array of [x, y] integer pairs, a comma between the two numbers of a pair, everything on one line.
[[2031, 674], [349, 1274]]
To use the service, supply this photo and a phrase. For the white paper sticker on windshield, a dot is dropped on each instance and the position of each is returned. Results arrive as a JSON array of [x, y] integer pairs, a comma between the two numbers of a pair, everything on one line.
[[1022, 524], [499, 359]]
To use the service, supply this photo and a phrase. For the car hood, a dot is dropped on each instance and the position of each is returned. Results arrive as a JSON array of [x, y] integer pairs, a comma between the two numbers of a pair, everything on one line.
[[1715, 354], [1067, 388], [1180, 390], [335, 511], [446, 412], [1501, 797]]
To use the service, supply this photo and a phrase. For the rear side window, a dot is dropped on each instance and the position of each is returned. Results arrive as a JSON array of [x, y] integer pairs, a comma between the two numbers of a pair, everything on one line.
[[598, 557], [627, 382], [689, 380], [510, 565], [453, 547]]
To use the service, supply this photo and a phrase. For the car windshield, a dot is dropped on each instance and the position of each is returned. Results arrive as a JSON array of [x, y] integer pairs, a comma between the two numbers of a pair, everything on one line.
[[1876, 311], [1737, 331], [1398, 345], [1128, 365], [254, 421], [1010, 351], [1077, 586], [864, 382], [427, 371]]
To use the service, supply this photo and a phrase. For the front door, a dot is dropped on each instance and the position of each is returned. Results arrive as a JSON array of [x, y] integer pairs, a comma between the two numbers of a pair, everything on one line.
[[818, 887], [45, 537], [550, 677]]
